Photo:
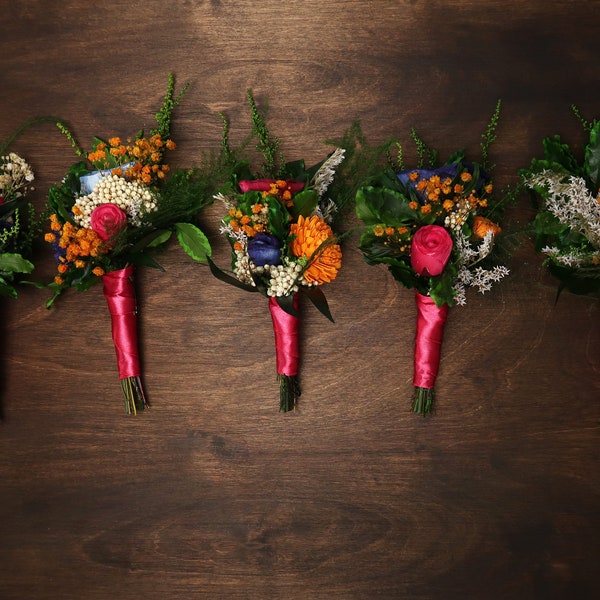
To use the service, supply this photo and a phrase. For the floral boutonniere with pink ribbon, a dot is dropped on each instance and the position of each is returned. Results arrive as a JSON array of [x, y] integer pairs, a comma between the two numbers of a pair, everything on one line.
[[566, 227], [434, 227], [112, 211], [278, 225], [18, 223]]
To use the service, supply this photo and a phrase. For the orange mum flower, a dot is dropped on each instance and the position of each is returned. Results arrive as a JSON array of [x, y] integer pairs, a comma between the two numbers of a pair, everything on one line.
[[481, 226], [310, 234]]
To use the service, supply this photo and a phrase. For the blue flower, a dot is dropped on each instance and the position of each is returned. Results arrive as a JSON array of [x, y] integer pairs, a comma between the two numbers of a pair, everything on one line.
[[264, 249]]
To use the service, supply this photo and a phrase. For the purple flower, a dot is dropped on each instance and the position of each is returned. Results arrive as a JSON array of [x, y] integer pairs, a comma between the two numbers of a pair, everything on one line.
[[264, 249]]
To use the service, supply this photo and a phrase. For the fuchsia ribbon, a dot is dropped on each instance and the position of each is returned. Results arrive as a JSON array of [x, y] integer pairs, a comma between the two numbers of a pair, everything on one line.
[[120, 297], [428, 340], [264, 185], [287, 338]]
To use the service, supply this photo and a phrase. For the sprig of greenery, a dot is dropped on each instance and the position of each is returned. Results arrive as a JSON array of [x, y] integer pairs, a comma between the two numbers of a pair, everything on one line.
[[62, 127], [587, 125], [267, 145], [489, 137], [423, 150], [165, 115]]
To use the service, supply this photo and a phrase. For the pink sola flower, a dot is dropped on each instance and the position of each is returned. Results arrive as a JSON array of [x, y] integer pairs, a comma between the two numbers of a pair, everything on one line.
[[431, 249], [107, 220]]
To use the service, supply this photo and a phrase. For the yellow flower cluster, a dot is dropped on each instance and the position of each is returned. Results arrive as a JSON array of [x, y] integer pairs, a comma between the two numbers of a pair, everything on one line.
[[79, 245], [145, 153]]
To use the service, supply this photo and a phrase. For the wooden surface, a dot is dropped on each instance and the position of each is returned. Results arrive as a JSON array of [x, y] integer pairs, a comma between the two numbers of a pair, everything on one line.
[[215, 494]]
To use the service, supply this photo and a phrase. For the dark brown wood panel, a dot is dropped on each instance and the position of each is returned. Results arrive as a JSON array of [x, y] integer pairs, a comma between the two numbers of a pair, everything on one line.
[[215, 494]]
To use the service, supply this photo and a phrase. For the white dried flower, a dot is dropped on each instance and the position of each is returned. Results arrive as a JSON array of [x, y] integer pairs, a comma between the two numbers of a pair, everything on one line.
[[134, 199], [324, 176]]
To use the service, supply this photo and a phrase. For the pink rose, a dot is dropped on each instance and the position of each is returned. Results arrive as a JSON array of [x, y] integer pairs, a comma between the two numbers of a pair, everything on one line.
[[431, 248], [107, 220], [264, 185]]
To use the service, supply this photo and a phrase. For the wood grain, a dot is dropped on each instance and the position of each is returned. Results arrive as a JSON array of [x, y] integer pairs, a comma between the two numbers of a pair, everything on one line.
[[214, 494]]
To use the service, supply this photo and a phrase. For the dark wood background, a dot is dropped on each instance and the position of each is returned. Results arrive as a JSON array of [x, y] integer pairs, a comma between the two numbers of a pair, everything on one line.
[[215, 494]]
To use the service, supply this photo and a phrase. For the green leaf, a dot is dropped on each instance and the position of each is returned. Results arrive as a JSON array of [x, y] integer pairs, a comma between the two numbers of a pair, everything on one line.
[[317, 297], [226, 278], [557, 152], [144, 260], [305, 203], [286, 303], [161, 238], [383, 205], [7, 290], [14, 263], [278, 218], [592, 155], [193, 241]]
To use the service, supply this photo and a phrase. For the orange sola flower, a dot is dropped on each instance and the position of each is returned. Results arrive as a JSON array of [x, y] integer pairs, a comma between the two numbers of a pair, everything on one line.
[[482, 226], [314, 241]]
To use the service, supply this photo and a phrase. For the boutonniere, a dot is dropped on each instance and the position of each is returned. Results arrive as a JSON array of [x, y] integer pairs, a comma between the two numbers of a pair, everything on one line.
[[567, 222], [17, 221], [434, 226], [278, 223], [112, 211]]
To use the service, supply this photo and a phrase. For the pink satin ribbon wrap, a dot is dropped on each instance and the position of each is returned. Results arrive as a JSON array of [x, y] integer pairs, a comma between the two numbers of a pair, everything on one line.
[[120, 297], [428, 340], [287, 338], [264, 185]]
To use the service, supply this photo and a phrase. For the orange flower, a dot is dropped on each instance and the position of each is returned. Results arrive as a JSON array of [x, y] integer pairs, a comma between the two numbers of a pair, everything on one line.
[[481, 226], [378, 230], [98, 271], [310, 234]]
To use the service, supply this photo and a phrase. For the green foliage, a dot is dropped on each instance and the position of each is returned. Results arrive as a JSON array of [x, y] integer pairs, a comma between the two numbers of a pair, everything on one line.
[[267, 144], [193, 241], [164, 116], [489, 137], [424, 152], [563, 235]]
